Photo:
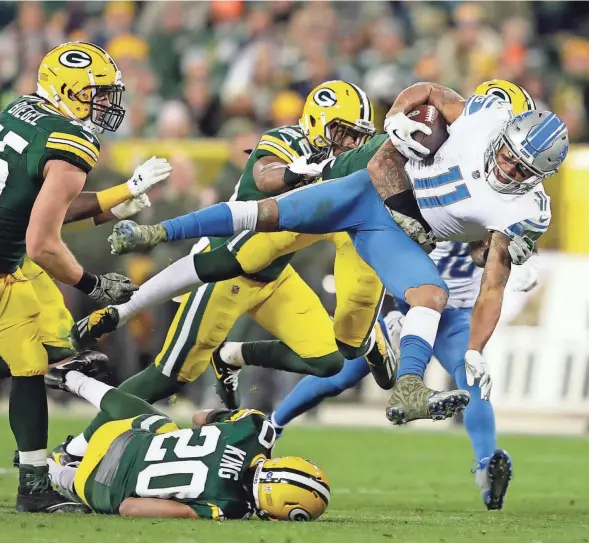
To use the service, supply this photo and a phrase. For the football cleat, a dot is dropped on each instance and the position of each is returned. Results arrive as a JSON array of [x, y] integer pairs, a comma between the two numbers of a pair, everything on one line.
[[61, 457], [382, 361], [412, 400], [90, 363], [492, 477], [129, 237], [96, 325], [35, 494], [227, 380]]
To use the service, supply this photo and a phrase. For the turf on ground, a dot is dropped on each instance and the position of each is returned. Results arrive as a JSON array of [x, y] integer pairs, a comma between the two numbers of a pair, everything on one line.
[[387, 485]]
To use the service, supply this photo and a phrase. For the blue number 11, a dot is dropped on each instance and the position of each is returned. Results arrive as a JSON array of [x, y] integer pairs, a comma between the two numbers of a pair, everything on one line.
[[451, 176]]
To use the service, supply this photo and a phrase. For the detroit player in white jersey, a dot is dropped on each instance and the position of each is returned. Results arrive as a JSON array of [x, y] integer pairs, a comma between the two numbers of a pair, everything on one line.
[[463, 277], [483, 186]]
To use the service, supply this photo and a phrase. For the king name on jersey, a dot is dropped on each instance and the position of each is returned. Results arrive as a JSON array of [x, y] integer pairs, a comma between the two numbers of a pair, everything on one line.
[[231, 463]]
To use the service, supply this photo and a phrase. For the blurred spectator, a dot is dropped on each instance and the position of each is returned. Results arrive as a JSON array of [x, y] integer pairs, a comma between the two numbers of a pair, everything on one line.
[[242, 136], [287, 108], [174, 121]]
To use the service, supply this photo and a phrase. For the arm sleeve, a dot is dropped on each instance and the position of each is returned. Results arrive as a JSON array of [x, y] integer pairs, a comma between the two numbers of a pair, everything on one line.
[[274, 143], [357, 159], [76, 146]]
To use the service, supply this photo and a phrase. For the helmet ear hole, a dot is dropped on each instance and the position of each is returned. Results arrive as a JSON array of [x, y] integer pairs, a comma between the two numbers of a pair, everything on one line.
[[313, 121]]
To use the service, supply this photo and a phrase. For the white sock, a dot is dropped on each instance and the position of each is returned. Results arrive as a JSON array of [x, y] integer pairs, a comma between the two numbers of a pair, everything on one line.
[[422, 322], [231, 353], [86, 387], [244, 214], [33, 458], [77, 446], [176, 279], [62, 476], [273, 421]]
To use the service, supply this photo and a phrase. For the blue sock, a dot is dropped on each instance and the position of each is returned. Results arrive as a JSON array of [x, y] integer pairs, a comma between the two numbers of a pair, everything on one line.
[[215, 221], [311, 391], [479, 418], [415, 355]]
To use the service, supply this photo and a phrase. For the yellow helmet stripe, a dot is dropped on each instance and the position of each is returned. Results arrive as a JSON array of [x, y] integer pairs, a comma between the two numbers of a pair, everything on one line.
[[529, 99], [86, 145], [297, 479], [365, 105]]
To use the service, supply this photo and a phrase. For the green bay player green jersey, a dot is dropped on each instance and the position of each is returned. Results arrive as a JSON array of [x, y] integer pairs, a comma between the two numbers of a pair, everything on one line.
[[286, 143], [31, 133], [205, 468], [357, 159]]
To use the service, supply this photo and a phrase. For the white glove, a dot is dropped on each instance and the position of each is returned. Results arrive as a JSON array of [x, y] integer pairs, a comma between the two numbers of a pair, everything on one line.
[[131, 207], [148, 174], [300, 166], [399, 127], [525, 278], [478, 369], [520, 249]]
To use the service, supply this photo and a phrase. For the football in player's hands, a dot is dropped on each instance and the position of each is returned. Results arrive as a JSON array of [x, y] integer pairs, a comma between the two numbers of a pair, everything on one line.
[[431, 117]]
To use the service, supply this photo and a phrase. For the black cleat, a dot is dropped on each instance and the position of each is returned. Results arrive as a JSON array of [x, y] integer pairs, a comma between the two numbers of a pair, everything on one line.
[[382, 361], [61, 457], [499, 473], [227, 380], [90, 363], [35, 494]]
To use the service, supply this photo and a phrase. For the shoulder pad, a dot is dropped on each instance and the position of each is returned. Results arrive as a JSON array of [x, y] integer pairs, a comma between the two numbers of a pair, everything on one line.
[[286, 142], [478, 102]]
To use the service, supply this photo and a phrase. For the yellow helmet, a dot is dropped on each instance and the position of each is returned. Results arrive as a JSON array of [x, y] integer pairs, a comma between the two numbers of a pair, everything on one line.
[[83, 83], [507, 91], [332, 110], [290, 488]]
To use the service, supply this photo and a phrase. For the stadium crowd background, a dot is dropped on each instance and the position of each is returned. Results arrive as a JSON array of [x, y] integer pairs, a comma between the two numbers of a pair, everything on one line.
[[205, 79]]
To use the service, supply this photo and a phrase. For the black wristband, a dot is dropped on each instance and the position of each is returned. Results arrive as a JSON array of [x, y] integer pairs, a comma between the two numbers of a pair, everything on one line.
[[291, 179], [87, 283], [405, 203]]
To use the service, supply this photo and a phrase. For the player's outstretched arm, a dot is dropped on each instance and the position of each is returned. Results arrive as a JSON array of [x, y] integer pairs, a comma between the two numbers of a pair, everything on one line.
[[487, 308], [155, 508], [63, 182]]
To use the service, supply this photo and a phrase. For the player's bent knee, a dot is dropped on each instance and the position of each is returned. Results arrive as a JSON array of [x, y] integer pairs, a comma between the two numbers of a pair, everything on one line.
[[432, 296], [328, 365], [349, 352]]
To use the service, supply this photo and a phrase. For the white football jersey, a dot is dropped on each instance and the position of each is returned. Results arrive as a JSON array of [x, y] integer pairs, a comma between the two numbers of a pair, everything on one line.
[[452, 193], [460, 273]]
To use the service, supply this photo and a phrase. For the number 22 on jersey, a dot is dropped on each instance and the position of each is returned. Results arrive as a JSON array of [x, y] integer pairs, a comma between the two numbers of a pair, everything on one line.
[[439, 185]]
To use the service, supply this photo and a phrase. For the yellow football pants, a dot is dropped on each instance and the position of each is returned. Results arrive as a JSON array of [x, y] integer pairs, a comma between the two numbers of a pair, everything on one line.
[[286, 307]]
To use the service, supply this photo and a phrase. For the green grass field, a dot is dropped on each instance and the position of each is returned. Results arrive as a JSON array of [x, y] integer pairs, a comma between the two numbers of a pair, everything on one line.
[[387, 485]]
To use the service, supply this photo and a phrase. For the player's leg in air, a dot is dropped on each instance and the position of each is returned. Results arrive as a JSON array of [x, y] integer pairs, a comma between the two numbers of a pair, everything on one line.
[[311, 391], [286, 307], [348, 204]]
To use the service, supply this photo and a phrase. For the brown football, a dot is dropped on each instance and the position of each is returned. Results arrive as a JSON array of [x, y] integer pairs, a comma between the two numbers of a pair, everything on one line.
[[431, 117]]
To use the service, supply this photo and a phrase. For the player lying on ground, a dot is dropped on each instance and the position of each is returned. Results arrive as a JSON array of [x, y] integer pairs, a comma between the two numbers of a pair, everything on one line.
[[48, 148], [493, 471], [143, 465], [484, 186]]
